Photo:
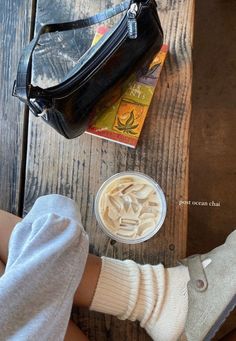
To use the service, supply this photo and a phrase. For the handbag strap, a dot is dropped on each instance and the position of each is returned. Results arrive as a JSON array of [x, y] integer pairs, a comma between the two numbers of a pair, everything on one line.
[[22, 86]]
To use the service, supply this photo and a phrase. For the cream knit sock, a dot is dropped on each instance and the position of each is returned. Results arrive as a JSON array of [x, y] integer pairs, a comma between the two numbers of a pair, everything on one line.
[[155, 296]]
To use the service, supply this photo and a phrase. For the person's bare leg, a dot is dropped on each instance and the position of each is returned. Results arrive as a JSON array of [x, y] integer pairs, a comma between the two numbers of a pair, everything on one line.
[[74, 333], [85, 292], [7, 223], [2, 268], [230, 337]]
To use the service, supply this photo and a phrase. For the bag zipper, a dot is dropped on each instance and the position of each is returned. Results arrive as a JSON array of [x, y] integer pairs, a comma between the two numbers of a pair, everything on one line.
[[132, 21], [58, 91]]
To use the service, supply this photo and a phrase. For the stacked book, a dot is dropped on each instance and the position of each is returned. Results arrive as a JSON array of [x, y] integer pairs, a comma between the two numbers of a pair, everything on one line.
[[120, 116]]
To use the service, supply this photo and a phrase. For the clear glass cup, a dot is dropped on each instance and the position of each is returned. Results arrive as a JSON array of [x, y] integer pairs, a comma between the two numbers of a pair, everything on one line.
[[130, 207]]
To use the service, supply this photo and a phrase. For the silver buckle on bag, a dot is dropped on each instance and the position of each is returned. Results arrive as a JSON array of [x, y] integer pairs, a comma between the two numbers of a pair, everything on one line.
[[44, 114], [37, 110]]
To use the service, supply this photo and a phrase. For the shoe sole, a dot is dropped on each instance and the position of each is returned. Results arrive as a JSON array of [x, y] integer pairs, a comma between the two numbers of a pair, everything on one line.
[[221, 319]]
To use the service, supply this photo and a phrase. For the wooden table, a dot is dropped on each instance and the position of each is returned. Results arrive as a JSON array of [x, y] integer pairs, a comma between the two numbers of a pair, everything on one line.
[[35, 160]]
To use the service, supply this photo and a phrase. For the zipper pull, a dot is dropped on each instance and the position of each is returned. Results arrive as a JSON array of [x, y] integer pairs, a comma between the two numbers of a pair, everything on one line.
[[132, 22]]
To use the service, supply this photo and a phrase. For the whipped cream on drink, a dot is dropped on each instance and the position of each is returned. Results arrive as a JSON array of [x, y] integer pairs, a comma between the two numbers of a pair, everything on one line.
[[130, 206]]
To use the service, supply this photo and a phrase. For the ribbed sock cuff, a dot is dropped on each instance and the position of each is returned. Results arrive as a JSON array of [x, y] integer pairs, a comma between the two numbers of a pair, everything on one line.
[[155, 296], [151, 293], [129, 290], [117, 288]]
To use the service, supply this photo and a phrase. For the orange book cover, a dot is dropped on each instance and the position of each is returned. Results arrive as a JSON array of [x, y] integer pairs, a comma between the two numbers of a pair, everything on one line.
[[120, 116]]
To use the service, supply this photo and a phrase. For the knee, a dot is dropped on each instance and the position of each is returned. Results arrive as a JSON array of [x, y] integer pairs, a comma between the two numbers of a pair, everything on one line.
[[8, 219]]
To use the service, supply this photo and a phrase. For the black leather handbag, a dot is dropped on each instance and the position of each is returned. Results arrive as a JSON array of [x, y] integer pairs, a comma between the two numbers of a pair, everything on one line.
[[132, 41]]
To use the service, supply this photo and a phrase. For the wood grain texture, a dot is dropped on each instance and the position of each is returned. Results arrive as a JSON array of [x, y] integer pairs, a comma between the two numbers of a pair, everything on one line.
[[78, 167], [15, 19]]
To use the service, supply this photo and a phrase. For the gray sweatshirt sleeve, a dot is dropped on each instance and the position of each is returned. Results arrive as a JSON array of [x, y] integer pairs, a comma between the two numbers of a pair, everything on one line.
[[47, 256]]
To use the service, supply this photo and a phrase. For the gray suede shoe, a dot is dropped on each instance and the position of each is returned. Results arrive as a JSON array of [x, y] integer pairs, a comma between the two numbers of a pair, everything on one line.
[[211, 290]]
